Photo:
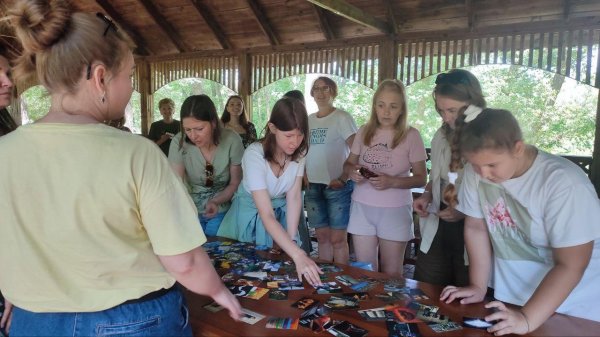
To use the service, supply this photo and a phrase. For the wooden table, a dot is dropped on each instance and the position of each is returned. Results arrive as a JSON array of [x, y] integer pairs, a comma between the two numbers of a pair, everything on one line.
[[206, 323]]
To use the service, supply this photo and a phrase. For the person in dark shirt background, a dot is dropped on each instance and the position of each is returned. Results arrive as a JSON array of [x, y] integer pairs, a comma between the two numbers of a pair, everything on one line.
[[162, 131]]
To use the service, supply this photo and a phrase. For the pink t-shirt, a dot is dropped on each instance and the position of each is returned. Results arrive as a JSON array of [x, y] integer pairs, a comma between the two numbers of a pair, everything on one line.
[[379, 157]]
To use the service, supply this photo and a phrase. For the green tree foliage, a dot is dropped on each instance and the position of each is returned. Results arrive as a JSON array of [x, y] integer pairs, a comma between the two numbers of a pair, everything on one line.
[[179, 90], [556, 114]]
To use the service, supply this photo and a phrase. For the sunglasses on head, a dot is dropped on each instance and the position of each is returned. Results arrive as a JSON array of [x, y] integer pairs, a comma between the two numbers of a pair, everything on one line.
[[209, 171], [451, 78], [109, 24]]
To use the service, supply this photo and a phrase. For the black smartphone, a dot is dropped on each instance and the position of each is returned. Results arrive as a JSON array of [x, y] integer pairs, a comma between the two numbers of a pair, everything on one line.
[[365, 172]]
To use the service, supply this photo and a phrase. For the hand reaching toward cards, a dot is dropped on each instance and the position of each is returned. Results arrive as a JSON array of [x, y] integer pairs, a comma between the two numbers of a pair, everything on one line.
[[226, 299], [469, 294], [307, 268], [508, 320], [6, 316]]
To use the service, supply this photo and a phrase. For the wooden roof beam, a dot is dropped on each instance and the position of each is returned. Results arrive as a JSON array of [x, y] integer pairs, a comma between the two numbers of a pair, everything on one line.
[[566, 10], [391, 16], [470, 14], [165, 26], [324, 24], [212, 24], [263, 22], [135, 36], [353, 13]]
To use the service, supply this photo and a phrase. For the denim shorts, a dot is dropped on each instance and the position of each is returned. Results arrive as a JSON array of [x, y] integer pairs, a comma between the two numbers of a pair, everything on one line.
[[166, 315], [328, 207], [210, 226]]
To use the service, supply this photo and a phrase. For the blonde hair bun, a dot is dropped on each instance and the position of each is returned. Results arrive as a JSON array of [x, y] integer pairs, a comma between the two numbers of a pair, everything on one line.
[[39, 24]]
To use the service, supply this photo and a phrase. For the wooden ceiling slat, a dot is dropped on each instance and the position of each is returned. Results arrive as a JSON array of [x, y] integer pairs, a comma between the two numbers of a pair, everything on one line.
[[132, 32], [212, 23], [263, 22], [166, 27], [353, 13], [324, 23]]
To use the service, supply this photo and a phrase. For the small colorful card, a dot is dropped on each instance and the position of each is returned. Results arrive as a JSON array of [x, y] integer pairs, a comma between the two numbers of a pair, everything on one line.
[[282, 323], [256, 293]]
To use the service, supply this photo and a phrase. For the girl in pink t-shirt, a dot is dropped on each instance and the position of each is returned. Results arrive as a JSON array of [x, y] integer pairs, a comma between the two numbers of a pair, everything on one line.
[[384, 153]]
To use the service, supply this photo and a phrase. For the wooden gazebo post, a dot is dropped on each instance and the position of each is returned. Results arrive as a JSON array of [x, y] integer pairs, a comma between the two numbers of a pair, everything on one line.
[[244, 81], [146, 98]]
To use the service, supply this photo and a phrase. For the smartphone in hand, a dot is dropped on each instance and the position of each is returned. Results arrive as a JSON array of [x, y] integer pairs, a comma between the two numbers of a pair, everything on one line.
[[365, 172]]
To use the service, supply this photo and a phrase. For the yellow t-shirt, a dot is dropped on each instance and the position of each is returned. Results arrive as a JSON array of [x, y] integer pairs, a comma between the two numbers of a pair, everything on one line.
[[84, 210]]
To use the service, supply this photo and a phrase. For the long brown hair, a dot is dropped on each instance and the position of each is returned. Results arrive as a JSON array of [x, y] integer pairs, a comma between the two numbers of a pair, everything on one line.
[[59, 46], [226, 116], [459, 85], [288, 114], [401, 127]]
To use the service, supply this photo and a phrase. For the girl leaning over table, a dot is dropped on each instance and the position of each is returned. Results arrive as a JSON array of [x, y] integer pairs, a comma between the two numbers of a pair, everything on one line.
[[113, 229], [531, 221], [266, 207]]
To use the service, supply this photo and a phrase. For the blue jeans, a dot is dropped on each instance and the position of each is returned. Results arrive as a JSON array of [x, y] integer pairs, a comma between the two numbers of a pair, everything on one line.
[[327, 206], [210, 226], [166, 315]]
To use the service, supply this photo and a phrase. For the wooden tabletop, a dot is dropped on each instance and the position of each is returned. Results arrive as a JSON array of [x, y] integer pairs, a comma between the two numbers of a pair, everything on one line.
[[206, 323]]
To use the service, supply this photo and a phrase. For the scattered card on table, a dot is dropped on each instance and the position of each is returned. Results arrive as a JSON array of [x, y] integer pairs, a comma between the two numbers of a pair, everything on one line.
[[341, 303], [256, 293], [359, 296], [402, 314], [321, 323], [477, 323], [374, 314], [328, 288], [345, 328], [213, 307], [250, 316], [282, 323], [278, 295], [304, 303], [399, 329], [444, 327], [291, 285]]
